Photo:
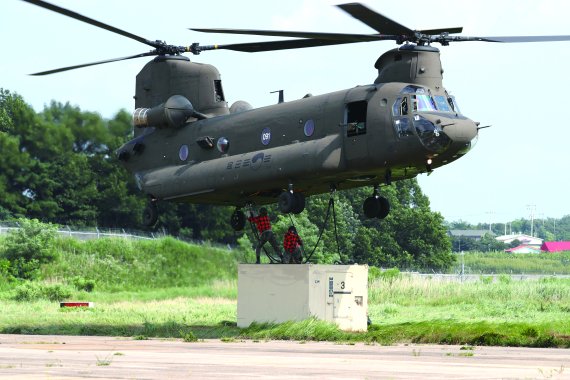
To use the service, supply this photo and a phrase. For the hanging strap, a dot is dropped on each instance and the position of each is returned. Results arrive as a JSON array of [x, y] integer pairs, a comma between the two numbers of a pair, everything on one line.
[[331, 203], [336, 233]]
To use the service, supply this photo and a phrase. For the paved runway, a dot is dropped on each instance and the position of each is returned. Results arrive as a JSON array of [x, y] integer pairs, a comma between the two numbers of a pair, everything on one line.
[[73, 357]]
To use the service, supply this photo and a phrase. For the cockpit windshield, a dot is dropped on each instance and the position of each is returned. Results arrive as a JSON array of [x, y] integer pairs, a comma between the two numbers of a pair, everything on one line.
[[442, 103], [423, 101]]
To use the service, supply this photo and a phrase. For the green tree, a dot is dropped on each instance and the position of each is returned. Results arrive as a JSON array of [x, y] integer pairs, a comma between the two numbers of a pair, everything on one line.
[[488, 243]]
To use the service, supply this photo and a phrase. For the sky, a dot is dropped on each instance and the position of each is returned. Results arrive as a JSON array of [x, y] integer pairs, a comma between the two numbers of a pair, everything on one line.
[[518, 166]]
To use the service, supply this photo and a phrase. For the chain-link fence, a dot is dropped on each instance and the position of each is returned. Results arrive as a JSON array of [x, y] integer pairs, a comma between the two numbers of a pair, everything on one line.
[[92, 233]]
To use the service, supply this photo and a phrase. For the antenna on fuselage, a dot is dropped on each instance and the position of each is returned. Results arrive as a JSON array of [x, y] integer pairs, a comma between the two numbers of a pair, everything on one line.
[[281, 97]]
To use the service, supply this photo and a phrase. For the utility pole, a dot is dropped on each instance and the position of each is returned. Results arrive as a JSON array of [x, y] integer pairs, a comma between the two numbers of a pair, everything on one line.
[[490, 213], [532, 209]]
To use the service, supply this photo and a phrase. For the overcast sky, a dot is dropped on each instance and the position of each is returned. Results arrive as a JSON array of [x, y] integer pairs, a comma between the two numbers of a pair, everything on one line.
[[519, 89]]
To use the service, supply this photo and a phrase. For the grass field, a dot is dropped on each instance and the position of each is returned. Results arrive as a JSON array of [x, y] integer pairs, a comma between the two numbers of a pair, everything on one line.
[[173, 290], [517, 313]]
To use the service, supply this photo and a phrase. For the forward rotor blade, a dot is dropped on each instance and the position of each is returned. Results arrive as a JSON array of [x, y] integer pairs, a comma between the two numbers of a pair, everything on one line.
[[312, 35], [255, 47], [93, 64], [514, 39], [376, 21], [505, 39], [458, 29], [90, 21]]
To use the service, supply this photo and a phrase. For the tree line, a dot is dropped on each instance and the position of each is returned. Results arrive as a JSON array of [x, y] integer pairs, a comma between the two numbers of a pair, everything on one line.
[[59, 166], [548, 229]]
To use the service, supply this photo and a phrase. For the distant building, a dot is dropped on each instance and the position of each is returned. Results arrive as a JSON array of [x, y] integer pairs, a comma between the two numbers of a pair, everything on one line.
[[555, 246], [523, 248], [471, 234], [521, 238]]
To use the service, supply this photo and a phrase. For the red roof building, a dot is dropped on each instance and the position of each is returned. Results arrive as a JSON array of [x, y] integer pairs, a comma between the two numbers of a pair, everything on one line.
[[555, 246], [523, 248]]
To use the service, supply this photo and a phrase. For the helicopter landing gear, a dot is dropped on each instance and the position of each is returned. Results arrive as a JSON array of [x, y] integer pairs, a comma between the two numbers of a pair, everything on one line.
[[237, 220], [150, 214], [290, 202], [376, 206]]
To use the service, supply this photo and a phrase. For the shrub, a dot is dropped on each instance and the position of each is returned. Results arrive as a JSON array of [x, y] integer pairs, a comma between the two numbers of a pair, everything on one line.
[[188, 336], [29, 246], [374, 273], [25, 269], [505, 279], [5, 268], [81, 283], [31, 291], [486, 279], [390, 275]]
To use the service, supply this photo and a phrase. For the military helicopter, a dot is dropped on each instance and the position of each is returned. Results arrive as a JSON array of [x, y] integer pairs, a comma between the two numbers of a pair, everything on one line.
[[189, 145]]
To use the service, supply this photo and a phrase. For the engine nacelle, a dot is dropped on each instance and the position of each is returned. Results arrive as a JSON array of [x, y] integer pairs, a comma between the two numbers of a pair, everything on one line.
[[171, 114]]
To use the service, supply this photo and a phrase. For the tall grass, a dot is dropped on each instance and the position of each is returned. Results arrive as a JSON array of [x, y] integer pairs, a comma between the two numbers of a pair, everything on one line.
[[502, 262], [410, 298], [126, 265]]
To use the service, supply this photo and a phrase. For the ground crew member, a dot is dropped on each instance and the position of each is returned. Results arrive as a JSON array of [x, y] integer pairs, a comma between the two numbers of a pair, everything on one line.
[[292, 244], [265, 233]]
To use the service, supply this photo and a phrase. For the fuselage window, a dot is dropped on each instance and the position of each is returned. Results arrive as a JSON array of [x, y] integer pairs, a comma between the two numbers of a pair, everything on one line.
[[219, 92], [356, 118]]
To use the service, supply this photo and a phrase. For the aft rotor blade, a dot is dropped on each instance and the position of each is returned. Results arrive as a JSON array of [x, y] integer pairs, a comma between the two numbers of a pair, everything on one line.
[[93, 64], [376, 21], [255, 47], [312, 35], [77, 16]]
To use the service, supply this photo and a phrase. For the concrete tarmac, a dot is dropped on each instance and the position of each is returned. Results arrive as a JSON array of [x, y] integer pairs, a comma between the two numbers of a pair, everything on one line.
[[80, 357]]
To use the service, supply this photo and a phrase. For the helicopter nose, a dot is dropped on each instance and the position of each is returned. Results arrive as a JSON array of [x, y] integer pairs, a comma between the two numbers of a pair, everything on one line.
[[460, 131]]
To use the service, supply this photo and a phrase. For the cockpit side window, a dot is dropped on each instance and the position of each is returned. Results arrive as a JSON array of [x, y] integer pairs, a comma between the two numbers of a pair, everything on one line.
[[356, 118], [402, 123], [453, 104], [396, 107]]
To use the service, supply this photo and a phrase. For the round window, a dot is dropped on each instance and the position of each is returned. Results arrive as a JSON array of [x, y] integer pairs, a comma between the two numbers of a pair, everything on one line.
[[183, 152], [223, 145], [309, 128]]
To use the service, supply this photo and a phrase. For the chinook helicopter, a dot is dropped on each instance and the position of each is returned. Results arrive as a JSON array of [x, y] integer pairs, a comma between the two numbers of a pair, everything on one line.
[[189, 145]]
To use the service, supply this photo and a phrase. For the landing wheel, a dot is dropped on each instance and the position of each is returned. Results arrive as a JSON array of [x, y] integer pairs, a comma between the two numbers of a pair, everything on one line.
[[376, 207], [384, 207], [286, 202], [291, 202], [237, 220], [371, 207], [299, 203], [150, 214]]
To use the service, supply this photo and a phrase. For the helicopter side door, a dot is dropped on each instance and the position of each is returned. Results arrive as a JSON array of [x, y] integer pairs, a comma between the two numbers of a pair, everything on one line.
[[355, 139]]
